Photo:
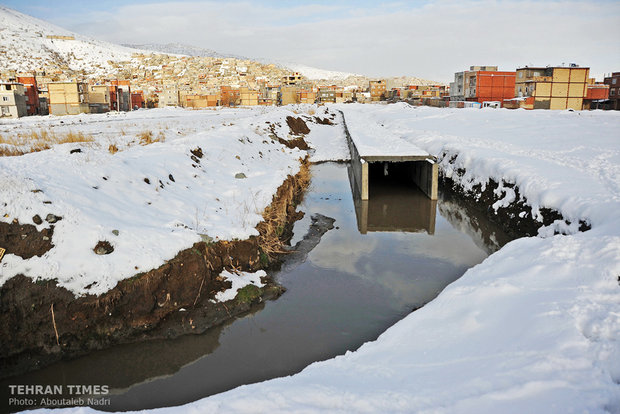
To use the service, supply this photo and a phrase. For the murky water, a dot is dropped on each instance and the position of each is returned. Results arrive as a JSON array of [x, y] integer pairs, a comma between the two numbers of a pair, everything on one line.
[[386, 257]]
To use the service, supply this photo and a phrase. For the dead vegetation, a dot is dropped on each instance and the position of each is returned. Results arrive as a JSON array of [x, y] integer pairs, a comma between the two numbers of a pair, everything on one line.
[[36, 141], [147, 138], [281, 211]]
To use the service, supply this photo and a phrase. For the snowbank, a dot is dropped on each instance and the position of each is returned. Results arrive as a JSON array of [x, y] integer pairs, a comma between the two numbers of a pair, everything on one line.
[[212, 177]]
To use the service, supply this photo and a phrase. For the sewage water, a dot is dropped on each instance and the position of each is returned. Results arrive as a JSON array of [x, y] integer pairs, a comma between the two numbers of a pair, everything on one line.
[[386, 257]]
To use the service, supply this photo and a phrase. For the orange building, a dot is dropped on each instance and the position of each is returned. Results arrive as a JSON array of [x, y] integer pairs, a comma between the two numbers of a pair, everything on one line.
[[137, 99], [32, 94], [488, 85], [229, 96]]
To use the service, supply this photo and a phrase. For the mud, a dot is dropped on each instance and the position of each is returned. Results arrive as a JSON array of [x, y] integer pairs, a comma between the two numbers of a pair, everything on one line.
[[163, 303]]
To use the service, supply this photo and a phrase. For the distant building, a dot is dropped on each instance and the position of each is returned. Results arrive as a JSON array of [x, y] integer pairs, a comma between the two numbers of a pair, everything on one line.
[[32, 94], [169, 96], [552, 87], [12, 100], [483, 84], [120, 95], [307, 97], [292, 79], [377, 89], [289, 95], [326, 94], [229, 96], [248, 97], [68, 98], [98, 99], [614, 90], [137, 100]]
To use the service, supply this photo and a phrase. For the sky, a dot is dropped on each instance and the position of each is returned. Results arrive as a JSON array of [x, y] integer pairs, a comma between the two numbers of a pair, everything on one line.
[[431, 39]]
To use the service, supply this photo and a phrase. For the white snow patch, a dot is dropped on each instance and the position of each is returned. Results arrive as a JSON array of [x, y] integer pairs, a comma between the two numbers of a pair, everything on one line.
[[239, 281]]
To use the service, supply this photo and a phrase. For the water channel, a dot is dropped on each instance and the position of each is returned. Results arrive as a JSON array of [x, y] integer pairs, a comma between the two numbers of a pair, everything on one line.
[[386, 257]]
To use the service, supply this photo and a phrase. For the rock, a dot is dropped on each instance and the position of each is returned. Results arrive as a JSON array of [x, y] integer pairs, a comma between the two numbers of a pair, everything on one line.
[[103, 247], [207, 239], [37, 219], [240, 175], [73, 151], [115, 232], [51, 218]]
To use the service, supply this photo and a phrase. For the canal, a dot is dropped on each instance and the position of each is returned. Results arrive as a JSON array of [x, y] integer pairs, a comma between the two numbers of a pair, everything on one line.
[[383, 259]]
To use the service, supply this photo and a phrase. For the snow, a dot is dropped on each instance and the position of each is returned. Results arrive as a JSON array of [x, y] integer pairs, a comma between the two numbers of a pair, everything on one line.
[[372, 139], [534, 328], [149, 202], [26, 46], [313, 73], [239, 281]]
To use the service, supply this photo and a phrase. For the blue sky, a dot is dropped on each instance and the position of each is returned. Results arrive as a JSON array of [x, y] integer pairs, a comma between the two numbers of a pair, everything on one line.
[[430, 39]]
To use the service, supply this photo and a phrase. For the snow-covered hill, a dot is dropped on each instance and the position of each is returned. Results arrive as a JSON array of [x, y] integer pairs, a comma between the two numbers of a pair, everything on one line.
[[28, 43], [182, 49]]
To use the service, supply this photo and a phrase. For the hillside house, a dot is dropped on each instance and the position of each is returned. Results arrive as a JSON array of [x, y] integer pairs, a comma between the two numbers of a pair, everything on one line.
[[377, 89], [98, 99], [169, 96], [32, 94], [12, 100], [68, 98], [120, 95]]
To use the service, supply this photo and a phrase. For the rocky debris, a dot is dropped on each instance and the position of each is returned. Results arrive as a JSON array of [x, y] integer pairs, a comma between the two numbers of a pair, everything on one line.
[[103, 247], [51, 218], [36, 219], [197, 152], [240, 175], [75, 151]]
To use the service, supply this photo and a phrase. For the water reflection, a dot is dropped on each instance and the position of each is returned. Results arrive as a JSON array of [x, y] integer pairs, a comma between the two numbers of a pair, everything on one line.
[[350, 289], [393, 206]]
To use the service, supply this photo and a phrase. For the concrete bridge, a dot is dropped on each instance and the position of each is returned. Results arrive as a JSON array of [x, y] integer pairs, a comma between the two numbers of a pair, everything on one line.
[[375, 152]]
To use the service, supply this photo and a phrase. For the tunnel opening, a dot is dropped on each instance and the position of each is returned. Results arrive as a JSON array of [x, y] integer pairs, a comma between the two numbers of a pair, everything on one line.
[[398, 176]]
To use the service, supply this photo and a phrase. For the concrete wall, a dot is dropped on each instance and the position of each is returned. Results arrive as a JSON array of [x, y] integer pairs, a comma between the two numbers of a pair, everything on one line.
[[425, 175]]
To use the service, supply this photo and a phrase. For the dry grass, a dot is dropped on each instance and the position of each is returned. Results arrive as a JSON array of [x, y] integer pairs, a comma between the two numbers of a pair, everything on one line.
[[275, 216], [147, 138], [113, 149], [40, 140]]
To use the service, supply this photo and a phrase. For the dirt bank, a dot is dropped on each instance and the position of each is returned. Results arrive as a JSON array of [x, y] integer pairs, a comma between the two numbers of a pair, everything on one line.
[[46, 323], [516, 218]]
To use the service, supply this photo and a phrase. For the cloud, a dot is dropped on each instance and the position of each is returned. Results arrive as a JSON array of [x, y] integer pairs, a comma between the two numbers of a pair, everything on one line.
[[432, 39]]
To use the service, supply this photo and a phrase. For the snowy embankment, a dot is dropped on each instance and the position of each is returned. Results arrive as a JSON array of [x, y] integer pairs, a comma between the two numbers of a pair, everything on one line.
[[209, 179], [534, 328]]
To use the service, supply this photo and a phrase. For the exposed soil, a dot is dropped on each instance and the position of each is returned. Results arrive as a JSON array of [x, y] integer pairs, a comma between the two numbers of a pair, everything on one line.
[[297, 125], [162, 303], [24, 240], [516, 219]]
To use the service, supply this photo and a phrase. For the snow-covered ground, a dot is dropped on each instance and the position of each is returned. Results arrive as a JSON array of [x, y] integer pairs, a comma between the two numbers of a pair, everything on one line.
[[534, 328], [148, 201]]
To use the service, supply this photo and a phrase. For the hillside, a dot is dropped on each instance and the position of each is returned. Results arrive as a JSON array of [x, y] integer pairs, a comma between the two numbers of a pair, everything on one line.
[[28, 44]]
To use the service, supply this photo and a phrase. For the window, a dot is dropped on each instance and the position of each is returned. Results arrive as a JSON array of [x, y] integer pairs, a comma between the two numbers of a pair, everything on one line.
[[612, 92], [5, 98], [613, 81]]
